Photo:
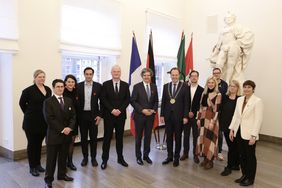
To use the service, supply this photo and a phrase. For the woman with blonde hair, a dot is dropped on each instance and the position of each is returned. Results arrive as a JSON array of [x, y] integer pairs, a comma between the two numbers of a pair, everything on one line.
[[207, 121], [31, 103], [228, 105]]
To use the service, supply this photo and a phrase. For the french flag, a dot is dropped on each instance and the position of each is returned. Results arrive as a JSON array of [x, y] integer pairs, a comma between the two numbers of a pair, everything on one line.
[[134, 75]]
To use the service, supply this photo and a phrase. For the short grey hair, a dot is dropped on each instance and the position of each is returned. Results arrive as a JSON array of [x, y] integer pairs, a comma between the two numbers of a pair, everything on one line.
[[144, 70]]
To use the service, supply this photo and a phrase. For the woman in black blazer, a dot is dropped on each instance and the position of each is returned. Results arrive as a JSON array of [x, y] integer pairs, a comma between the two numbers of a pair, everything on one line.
[[70, 92], [34, 125]]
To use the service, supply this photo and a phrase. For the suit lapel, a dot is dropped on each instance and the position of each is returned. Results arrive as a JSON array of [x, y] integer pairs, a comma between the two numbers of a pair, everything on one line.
[[249, 104]]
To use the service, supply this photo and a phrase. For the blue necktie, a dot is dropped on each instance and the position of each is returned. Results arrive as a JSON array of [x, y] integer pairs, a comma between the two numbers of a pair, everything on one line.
[[148, 92]]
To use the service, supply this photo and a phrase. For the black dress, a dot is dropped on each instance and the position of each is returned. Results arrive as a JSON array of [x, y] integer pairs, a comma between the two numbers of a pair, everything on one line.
[[73, 96]]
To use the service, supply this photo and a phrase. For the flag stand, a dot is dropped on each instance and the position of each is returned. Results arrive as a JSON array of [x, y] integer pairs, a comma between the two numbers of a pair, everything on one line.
[[159, 145]]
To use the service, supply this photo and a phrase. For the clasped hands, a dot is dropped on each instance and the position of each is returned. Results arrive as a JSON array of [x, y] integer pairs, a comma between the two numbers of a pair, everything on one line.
[[148, 112]]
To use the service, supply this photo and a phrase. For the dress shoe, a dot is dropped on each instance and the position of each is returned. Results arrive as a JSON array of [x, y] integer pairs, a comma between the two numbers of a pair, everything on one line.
[[139, 161], [48, 185], [196, 159], [104, 165], [226, 171], [65, 178], [39, 168], [94, 162], [166, 161], [176, 163], [235, 168], [183, 157], [239, 180], [84, 162], [220, 157], [71, 166], [122, 162], [247, 182], [148, 160], [209, 165], [203, 163], [34, 172]]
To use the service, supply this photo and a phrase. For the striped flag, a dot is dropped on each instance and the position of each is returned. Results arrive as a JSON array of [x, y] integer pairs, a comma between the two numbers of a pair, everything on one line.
[[151, 64], [181, 58], [134, 75], [189, 57]]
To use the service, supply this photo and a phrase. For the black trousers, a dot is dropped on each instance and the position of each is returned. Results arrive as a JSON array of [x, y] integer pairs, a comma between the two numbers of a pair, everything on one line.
[[192, 124], [55, 153], [143, 124], [220, 140], [233, 157], [109, 126], [248, 160], [34, 145], [173, 128], [88, 128]]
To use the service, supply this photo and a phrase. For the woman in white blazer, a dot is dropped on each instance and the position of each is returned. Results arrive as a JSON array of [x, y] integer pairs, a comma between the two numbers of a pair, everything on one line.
[[245, 126]]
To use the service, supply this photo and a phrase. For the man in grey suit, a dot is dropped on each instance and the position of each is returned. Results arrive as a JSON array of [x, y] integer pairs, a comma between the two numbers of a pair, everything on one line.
[[144, 100], [60, 117]]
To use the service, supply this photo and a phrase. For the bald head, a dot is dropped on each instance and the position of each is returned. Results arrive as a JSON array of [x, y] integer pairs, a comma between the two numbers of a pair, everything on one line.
[[116, 72]]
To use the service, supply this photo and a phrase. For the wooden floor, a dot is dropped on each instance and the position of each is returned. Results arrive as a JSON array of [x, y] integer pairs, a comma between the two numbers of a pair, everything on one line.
[[188, 174]]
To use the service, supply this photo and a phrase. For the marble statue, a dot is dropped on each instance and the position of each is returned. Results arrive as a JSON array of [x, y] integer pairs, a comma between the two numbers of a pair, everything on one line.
[[232, 51]]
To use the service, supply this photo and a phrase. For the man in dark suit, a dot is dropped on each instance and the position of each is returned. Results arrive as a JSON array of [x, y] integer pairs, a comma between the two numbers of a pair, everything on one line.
[[60, 116], [222, 87], [89, 114], [174, 113], [144, 100], [194, 94], [115, 98]]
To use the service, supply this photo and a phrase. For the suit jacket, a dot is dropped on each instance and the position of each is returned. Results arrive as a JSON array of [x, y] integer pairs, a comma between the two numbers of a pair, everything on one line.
[[250, 119], [31, 103], [57, 119], [195, 104], [95, 99], [139, 99], [180, 108], [110, 100]]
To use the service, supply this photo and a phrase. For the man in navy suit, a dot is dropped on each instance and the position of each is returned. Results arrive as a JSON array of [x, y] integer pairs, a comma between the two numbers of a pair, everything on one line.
[[89, 114], [194, 94], [115, 98], [144, 100], [174, 113], [60, 117]]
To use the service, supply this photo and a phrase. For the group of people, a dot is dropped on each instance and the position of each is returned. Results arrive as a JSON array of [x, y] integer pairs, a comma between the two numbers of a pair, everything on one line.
[[210, 112]]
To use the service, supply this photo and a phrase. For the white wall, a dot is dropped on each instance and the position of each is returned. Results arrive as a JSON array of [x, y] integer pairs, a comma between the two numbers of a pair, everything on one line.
[[264, 19], [39, 35], [6, 107], [39, 31]]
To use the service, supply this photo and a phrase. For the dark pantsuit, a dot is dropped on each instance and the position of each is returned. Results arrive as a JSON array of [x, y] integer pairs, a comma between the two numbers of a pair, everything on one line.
[[34, 144], [173, 128], [109, 126], [143, 124], [233, 159], [88, 127], [248, 160], [54, 152], [192, 124]]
